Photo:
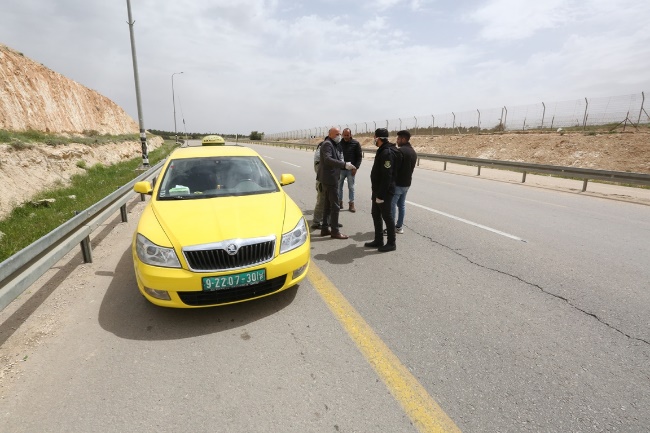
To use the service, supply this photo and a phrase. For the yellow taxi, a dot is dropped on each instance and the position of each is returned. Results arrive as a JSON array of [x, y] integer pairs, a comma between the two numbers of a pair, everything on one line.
[[213, 140], [219, 229]]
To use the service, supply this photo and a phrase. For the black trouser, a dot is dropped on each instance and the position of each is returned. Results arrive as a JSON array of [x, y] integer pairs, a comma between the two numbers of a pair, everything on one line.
[[382, 211], [331, 209]]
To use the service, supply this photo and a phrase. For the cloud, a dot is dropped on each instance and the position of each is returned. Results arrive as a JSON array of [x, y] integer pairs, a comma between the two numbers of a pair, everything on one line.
[[514, 19]]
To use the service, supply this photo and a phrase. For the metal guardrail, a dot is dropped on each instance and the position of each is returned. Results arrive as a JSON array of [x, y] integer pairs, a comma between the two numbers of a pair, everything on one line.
[[22, 269], [585, 174]]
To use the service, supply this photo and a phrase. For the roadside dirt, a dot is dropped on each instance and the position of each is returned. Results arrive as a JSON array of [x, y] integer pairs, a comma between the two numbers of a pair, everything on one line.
[[624, 151], [26, 172]]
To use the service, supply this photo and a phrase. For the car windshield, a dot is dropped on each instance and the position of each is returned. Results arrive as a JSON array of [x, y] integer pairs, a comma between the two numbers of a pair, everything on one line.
[[196, 178]]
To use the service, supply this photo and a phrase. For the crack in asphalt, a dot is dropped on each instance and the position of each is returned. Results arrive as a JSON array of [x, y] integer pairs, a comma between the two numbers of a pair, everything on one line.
[[540, 288]]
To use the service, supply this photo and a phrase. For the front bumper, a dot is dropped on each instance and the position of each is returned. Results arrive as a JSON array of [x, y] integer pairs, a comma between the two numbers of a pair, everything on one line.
[[184, 287]]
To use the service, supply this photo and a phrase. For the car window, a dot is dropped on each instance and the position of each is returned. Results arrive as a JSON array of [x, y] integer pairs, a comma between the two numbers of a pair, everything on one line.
[[197, 178]]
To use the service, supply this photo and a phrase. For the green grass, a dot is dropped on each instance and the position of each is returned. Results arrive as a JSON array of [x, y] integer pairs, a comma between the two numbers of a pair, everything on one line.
[[21, 139], [27, 223]]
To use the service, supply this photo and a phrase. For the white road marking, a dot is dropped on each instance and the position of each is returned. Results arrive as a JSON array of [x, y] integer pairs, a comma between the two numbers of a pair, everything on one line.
[[499, 232], [285, 162]]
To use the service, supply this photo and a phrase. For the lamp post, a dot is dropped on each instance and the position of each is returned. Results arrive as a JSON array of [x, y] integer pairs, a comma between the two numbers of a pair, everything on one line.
[[174, 102], [143, 133]]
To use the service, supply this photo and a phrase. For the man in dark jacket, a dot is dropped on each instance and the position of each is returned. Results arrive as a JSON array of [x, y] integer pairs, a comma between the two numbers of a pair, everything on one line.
[[352, 154], [382, 183], [329, 171], [403, 179]]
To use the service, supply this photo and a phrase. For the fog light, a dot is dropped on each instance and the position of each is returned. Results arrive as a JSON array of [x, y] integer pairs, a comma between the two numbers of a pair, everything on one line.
[[298, 272], [158, 294]]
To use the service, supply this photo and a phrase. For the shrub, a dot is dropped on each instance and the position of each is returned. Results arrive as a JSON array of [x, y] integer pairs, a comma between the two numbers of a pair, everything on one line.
[[256, 135], [19, 145]]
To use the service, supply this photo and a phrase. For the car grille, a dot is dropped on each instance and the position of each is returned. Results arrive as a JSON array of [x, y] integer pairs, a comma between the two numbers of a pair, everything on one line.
[[217, 258], [234, 294]]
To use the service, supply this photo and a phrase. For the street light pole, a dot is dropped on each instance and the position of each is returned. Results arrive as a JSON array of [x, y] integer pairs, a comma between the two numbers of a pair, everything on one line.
[[174, 102], [143, 133]]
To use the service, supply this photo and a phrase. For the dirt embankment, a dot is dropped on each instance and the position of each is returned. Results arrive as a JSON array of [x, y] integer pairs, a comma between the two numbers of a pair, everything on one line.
[[25, 172], [35, 97], [618, 151]]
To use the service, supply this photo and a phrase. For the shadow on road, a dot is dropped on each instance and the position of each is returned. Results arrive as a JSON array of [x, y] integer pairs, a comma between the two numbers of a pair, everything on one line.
[[127, 314]]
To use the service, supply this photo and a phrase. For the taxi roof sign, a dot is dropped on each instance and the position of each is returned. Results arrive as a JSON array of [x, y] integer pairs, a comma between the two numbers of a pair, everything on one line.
[[213, 140]]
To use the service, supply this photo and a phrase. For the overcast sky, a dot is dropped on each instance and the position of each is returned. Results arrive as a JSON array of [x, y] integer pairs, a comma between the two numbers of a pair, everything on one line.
[[279, 65]]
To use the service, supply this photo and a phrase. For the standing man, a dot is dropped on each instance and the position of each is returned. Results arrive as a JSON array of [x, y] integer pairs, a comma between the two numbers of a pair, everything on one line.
[[403, 178], [383, 187], [320, 198], [352, 154], [329, 172]]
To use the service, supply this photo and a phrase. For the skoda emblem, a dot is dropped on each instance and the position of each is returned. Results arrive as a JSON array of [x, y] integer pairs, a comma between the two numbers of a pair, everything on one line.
[[232, 249]]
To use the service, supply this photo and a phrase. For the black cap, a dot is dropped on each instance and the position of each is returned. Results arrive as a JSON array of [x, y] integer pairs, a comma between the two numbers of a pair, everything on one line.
[[381, 132]]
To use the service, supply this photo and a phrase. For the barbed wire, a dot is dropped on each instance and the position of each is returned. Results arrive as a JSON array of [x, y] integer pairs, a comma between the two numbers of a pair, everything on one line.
[[612, 111]]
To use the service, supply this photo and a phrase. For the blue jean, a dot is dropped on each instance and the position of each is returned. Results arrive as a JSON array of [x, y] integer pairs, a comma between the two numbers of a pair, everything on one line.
[[398, 205], [346, 174]]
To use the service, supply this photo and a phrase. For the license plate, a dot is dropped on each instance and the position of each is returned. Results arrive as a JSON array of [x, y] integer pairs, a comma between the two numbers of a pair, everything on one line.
[[234, 280]]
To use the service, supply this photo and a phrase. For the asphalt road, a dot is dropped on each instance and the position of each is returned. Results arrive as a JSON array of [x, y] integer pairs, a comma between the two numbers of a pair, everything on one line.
[[506, 308]]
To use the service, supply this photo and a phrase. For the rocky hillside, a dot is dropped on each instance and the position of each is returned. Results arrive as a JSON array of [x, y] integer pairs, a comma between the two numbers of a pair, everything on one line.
[[35, 97]]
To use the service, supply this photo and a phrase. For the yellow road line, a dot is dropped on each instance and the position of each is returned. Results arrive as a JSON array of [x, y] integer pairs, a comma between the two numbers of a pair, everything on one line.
[[423, 411]]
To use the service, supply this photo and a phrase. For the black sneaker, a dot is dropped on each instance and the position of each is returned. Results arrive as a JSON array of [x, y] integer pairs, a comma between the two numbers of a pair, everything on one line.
[[386, 248], [374, 244]]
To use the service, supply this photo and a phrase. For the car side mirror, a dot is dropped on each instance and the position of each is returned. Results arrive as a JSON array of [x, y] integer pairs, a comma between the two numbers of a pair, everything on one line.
[[143, 187], [287, 179]]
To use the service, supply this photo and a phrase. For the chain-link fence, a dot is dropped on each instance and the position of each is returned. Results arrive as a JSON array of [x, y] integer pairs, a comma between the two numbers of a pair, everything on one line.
[[627, 111]]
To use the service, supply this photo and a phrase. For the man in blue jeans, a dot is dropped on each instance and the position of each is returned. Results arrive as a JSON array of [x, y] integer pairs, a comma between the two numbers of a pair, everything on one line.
[[403, 179], [351, 153]]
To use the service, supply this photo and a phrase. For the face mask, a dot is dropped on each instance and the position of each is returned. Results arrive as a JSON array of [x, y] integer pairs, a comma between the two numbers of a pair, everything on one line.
[[337, 139]]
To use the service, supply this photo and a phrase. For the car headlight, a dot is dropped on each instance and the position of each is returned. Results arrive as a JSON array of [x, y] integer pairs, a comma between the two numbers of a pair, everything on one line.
[[155, 255], [296, 237]]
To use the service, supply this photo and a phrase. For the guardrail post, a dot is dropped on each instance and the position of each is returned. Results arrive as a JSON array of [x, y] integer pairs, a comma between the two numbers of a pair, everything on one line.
[[444, 166], [142, 198], [523, 177], [584, 185], [86, 251], [478, 173], [123, 213]]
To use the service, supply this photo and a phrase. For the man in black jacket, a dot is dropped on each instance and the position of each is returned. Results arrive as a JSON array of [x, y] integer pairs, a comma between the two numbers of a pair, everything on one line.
[[382, 182], [352, 154], [329, 171], [403, 179]]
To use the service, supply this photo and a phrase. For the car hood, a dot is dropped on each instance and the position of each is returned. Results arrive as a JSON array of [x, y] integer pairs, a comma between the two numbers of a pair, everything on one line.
[[202, 221]]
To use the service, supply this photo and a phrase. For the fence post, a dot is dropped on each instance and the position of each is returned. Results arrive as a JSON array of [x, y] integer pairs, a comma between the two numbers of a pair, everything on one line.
[[641, 110], [433, 121], [505, 118], [543, 114], [416, 125], [584, 119], [479, 122]]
